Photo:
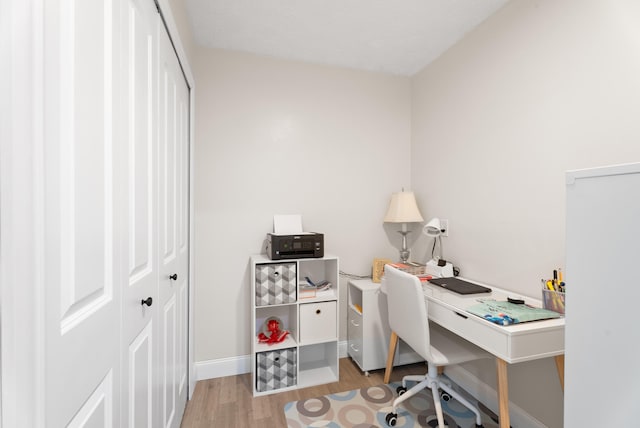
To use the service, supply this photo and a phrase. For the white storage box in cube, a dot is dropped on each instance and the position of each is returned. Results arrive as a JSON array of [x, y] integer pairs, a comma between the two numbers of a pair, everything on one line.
[[276, 284], [318, 322]]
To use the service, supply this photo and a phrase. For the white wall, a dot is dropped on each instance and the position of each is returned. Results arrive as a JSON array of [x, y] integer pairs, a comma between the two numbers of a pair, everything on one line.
[[540, 88], [282, 137]]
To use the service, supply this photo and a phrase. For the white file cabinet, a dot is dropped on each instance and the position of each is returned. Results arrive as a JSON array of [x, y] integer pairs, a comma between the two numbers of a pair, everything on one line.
[[368, 328], [309, 354]]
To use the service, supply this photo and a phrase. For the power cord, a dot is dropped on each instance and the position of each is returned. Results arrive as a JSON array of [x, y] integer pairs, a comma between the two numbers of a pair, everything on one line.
[[353, 276]]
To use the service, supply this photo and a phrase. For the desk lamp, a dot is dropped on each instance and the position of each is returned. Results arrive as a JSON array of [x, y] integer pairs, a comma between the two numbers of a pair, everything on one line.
[[434, 229], [403, 209]]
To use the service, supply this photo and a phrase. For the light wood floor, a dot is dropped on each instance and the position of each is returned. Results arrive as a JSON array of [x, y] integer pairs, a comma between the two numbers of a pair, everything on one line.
[[229, 401]]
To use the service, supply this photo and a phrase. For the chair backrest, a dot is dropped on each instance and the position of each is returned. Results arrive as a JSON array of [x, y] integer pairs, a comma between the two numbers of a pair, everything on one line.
[[407, 309]]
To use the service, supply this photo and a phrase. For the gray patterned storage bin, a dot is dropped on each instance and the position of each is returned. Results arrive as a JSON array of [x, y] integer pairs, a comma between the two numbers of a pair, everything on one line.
[[276, 369], [275, 284]]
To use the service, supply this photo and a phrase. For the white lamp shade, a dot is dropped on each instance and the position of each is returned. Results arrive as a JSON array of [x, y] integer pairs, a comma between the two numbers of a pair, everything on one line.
[[403, 209], [433, 228]]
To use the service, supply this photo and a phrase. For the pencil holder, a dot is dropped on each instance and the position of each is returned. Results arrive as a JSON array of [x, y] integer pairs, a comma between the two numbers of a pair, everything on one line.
[[553, 300]]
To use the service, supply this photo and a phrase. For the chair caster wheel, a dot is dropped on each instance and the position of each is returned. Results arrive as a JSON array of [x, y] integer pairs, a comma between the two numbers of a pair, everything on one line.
[[445, 396], [401, 390], [392, 419]]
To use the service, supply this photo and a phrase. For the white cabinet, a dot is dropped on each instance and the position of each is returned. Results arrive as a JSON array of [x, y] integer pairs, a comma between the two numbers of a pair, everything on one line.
[[368, 328], [309, 353], [603, 247]]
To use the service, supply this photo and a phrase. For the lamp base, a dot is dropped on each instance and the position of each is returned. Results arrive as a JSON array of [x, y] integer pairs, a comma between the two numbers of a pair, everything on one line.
[[404, 251], [434, 269]]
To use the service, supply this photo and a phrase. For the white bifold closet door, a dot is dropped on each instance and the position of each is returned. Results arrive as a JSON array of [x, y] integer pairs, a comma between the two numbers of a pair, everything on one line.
[[173, 233], [139, 49], [116, 217], [83, 206]]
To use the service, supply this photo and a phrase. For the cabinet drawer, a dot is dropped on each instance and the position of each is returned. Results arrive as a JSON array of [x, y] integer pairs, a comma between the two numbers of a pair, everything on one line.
[[355, 352], [354, 327], [469, 326], [318, 322], [276, 284], [354, 335]]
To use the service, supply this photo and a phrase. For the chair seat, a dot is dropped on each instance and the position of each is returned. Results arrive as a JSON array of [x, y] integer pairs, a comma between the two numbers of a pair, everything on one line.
[[448, 348]]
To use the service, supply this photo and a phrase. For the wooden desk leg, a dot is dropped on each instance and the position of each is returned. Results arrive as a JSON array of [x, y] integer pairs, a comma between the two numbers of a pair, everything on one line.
[[503, 393], [560, 367], [393, 343]]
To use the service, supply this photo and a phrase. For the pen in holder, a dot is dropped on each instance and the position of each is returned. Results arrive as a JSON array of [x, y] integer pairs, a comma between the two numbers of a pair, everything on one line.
[[553, 300]]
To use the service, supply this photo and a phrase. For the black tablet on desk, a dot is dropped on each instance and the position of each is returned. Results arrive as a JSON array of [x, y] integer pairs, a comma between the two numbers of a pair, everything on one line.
[[459, 286]]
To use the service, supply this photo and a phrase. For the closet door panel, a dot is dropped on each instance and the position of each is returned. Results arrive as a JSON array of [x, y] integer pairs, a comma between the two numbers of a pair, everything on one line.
[[173, 231], [82, 208], [139, 116], [169, 367], [182, 138]]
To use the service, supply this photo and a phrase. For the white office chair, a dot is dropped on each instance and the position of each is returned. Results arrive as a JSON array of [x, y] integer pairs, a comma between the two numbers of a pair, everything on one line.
[[408, 318]]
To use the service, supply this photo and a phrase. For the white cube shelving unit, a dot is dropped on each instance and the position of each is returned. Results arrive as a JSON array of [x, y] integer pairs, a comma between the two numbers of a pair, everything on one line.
[[309, 354]]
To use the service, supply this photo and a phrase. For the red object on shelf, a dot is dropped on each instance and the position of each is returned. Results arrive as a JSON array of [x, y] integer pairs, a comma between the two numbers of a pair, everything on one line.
[[276, 335]]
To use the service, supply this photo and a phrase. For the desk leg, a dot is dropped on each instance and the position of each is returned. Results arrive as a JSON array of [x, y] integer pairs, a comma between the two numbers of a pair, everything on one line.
[[393, 343], [560, 367], [503, 393]]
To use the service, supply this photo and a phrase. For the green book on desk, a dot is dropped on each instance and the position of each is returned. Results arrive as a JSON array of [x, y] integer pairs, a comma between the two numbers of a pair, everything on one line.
[[519, 313]]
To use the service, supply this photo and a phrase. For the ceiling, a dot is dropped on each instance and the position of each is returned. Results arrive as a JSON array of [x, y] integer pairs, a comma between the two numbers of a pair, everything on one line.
[[391, 36]]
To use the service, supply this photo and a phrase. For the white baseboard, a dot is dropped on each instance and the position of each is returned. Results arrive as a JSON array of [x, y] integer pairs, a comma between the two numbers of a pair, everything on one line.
[[489, 397], [238, 365], [223, 367], [342, 349]]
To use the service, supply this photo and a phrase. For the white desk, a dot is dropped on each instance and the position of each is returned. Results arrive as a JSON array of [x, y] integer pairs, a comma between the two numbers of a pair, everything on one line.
[[510, 344]]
